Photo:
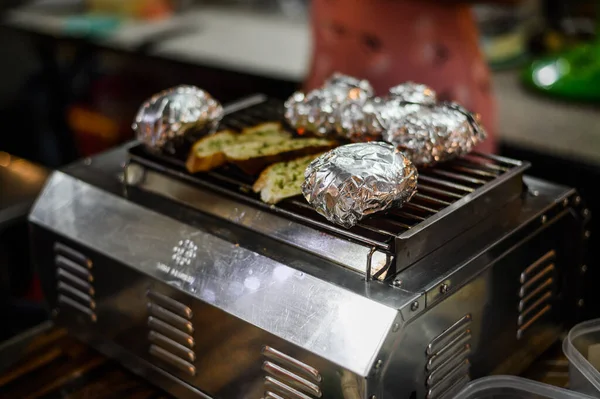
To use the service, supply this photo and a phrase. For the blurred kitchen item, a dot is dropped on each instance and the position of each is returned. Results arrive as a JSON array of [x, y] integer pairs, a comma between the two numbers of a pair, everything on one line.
[[572, 18], [505, 30], [293, 9], [582, 348], [573, 74], [90, 25], [143, 9]]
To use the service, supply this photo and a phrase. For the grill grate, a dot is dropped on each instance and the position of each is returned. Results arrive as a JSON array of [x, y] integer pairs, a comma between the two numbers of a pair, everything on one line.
[[439, 187]]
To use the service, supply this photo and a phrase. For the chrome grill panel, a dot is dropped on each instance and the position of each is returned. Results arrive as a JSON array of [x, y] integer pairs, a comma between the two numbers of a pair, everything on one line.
[[296, 323]]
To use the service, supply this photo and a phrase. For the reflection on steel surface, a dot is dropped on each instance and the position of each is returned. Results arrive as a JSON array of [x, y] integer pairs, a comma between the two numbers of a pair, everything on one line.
[[336, 323]]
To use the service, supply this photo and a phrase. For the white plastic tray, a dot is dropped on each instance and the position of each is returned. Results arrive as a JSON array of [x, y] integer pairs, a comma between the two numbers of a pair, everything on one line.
[[505, 387], [582, 344]]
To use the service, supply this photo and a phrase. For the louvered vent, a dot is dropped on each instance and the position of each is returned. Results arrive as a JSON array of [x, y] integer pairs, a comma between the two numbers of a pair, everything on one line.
[[74, 281], [170, 335], [447, 368], [536, 291], [288, 378]]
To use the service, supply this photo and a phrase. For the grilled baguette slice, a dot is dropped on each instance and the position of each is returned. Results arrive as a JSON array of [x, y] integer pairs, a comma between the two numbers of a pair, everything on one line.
[[282, 180], [207, 153], [255, 156]]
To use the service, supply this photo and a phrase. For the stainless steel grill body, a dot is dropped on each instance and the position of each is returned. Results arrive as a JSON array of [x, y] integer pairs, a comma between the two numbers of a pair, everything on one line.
[[193, 283]]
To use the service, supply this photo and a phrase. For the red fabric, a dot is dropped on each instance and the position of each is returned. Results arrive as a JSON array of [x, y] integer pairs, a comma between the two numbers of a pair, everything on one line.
[[392, 41]]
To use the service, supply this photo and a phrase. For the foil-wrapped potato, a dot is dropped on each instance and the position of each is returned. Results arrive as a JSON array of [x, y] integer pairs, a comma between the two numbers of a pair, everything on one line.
[[318, 110], [173, 112], [432, 134], [355, 180]]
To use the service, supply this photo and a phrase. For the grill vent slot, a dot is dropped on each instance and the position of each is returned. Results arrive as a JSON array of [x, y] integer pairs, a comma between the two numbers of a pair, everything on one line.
[[170, 332], [536, 291], [448, 366], [75, 281], [289, 378]]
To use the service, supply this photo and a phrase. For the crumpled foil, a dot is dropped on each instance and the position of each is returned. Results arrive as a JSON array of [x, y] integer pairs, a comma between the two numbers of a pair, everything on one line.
[[345, 87], [367, 121], [317, 111], [360, 122], [402, 100], [409, 117], [415, 93], [432, 134], [356, 180], [173, 112], [346, 106]]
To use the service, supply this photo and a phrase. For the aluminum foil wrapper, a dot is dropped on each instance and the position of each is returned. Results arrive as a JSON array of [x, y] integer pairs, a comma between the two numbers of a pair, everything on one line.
[[173, 112], [360, 122], [433, 134], [313, 112], [345, 87], [413, 93], [317, 111], [356, 180], [368, 120]]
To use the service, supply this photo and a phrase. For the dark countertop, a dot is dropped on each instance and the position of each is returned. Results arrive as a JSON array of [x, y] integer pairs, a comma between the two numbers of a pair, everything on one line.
[[47, 363]]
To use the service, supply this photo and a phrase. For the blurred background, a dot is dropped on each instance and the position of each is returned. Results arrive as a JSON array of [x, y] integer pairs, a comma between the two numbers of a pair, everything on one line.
[[73, 74]]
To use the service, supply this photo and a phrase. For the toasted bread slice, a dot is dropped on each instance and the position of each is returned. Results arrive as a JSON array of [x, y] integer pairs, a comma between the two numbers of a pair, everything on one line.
[[282, 180], [207, 153], [255, 156], [263, 128]]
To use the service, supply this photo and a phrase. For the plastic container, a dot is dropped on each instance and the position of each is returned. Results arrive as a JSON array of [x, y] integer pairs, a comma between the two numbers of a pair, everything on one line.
[[504, 387], [582, 348]]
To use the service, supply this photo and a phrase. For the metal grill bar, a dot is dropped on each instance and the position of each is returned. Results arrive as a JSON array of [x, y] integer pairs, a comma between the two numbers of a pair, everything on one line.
[[445, 183], [399, 224], [438, 191], [421, 208], [497, 158], [457, 176], [333, 228], [231, 180], [433, 200], [478, 172], [478, 161], [409, 216], [365, 226], [368, 226]]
